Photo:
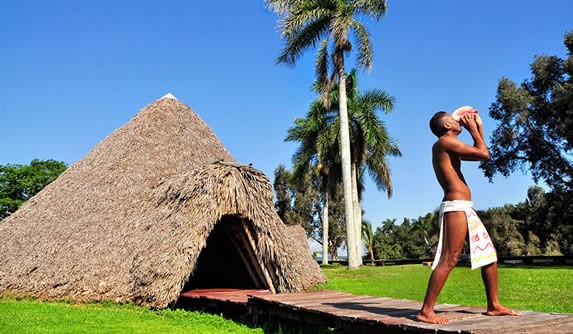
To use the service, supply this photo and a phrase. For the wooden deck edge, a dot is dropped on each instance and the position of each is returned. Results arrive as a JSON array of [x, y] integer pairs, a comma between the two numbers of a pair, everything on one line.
[[262, 313]]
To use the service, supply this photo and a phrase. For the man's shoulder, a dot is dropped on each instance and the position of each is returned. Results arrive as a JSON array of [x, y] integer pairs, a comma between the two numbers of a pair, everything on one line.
[[447, 140], [445, 143]]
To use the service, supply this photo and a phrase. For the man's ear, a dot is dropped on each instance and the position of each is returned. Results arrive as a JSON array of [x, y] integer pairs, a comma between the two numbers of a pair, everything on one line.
[[447, 125]]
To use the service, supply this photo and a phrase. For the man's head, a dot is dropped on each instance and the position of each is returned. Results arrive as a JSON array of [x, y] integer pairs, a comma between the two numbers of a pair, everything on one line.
[[442, 122]]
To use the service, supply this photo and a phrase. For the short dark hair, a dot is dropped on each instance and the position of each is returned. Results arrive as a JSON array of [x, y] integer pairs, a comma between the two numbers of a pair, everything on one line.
[[437, 123]]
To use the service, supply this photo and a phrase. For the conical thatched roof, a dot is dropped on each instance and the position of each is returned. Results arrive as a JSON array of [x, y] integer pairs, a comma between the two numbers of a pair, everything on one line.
[[129, 221]]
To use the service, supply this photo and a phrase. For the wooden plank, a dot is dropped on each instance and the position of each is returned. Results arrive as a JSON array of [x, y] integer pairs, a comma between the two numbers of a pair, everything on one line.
[[223, 290], [337, 305], [530, 321], [307, 294], [373, 306], [330, 298], [287, 298], [328, 301], [394, 309], [368, 305], [456, 315], [231, 295], [503, 324], [562, 325], [484, 322]]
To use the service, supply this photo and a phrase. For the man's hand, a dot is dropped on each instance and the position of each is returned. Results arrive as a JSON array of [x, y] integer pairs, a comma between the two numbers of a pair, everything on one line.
[[478, 120], [470, 122]]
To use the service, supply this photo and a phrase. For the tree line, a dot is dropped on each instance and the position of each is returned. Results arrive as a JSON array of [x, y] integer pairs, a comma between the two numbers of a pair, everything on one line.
[[539, 225], [532, 227], [20, 182]]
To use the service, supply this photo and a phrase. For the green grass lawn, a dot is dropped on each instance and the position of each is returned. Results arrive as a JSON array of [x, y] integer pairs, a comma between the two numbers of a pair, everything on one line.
[[28, 316], [543, 289]]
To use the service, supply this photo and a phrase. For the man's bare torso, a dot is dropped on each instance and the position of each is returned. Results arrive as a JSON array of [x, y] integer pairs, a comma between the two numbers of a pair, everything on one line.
[[448, 172]]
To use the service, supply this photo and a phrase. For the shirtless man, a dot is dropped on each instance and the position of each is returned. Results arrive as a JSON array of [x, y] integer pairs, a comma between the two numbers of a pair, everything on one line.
[[447, 153]]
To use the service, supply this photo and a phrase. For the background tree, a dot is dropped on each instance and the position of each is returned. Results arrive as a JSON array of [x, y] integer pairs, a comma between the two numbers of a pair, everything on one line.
[[336, 222], [306, 24], [548, 220], [539, 225], [298, 202], [384, 244], [534, 131], [428, 227], [412, 244], [368, 238], [284, 193], [559, 221], [20, 182], [315, 154], [532, 247], [504, 230], [534, 123], [401, 241], [319, 142]]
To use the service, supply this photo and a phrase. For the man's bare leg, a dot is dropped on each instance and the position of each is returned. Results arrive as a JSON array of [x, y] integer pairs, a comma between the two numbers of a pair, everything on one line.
[[455, 232], [489, 277]]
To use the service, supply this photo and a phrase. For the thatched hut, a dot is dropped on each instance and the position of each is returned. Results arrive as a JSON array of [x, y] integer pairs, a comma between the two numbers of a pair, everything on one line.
[[157, 207]]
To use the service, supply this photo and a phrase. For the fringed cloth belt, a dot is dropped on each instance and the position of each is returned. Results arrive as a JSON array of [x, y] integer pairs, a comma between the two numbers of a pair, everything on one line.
[[481, 248]]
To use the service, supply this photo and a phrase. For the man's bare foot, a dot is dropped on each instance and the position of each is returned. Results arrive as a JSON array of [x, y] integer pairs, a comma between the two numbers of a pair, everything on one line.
[[501, 310], [432, 318]]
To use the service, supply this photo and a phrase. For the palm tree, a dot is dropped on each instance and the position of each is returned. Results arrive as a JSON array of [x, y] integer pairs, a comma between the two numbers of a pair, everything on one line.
[[370, 142], [314, 154], [427, 227], [388, 226], [327, 23], [368, 238], [422, 226]]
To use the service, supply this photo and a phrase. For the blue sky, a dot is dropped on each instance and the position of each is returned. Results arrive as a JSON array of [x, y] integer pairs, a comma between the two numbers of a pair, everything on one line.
[[71, 72]]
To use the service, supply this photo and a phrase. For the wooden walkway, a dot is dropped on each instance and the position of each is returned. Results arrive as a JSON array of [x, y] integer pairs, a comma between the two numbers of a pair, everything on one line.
[[338, 312]]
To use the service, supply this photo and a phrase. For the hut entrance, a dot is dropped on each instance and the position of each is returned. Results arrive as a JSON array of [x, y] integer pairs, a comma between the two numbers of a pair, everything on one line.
[[228, 260]]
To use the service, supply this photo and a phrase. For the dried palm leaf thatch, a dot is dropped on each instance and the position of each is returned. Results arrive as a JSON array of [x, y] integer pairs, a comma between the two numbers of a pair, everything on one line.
[[128, 221]]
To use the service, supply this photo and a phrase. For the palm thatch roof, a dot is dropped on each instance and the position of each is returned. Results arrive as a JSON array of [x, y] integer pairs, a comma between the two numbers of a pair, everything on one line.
[[158, 206]]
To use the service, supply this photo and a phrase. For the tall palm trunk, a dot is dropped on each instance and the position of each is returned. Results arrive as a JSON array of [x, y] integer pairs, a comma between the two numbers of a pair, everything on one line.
[[346, 173], [425, 234], [357, 212], [325, 228], [358, 219]]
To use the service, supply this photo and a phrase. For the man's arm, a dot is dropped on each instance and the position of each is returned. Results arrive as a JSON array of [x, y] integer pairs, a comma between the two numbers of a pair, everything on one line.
[[477, 152]]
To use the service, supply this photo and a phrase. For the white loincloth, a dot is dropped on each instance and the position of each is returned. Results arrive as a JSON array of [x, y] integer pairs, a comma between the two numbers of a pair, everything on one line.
[[482, 251]]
